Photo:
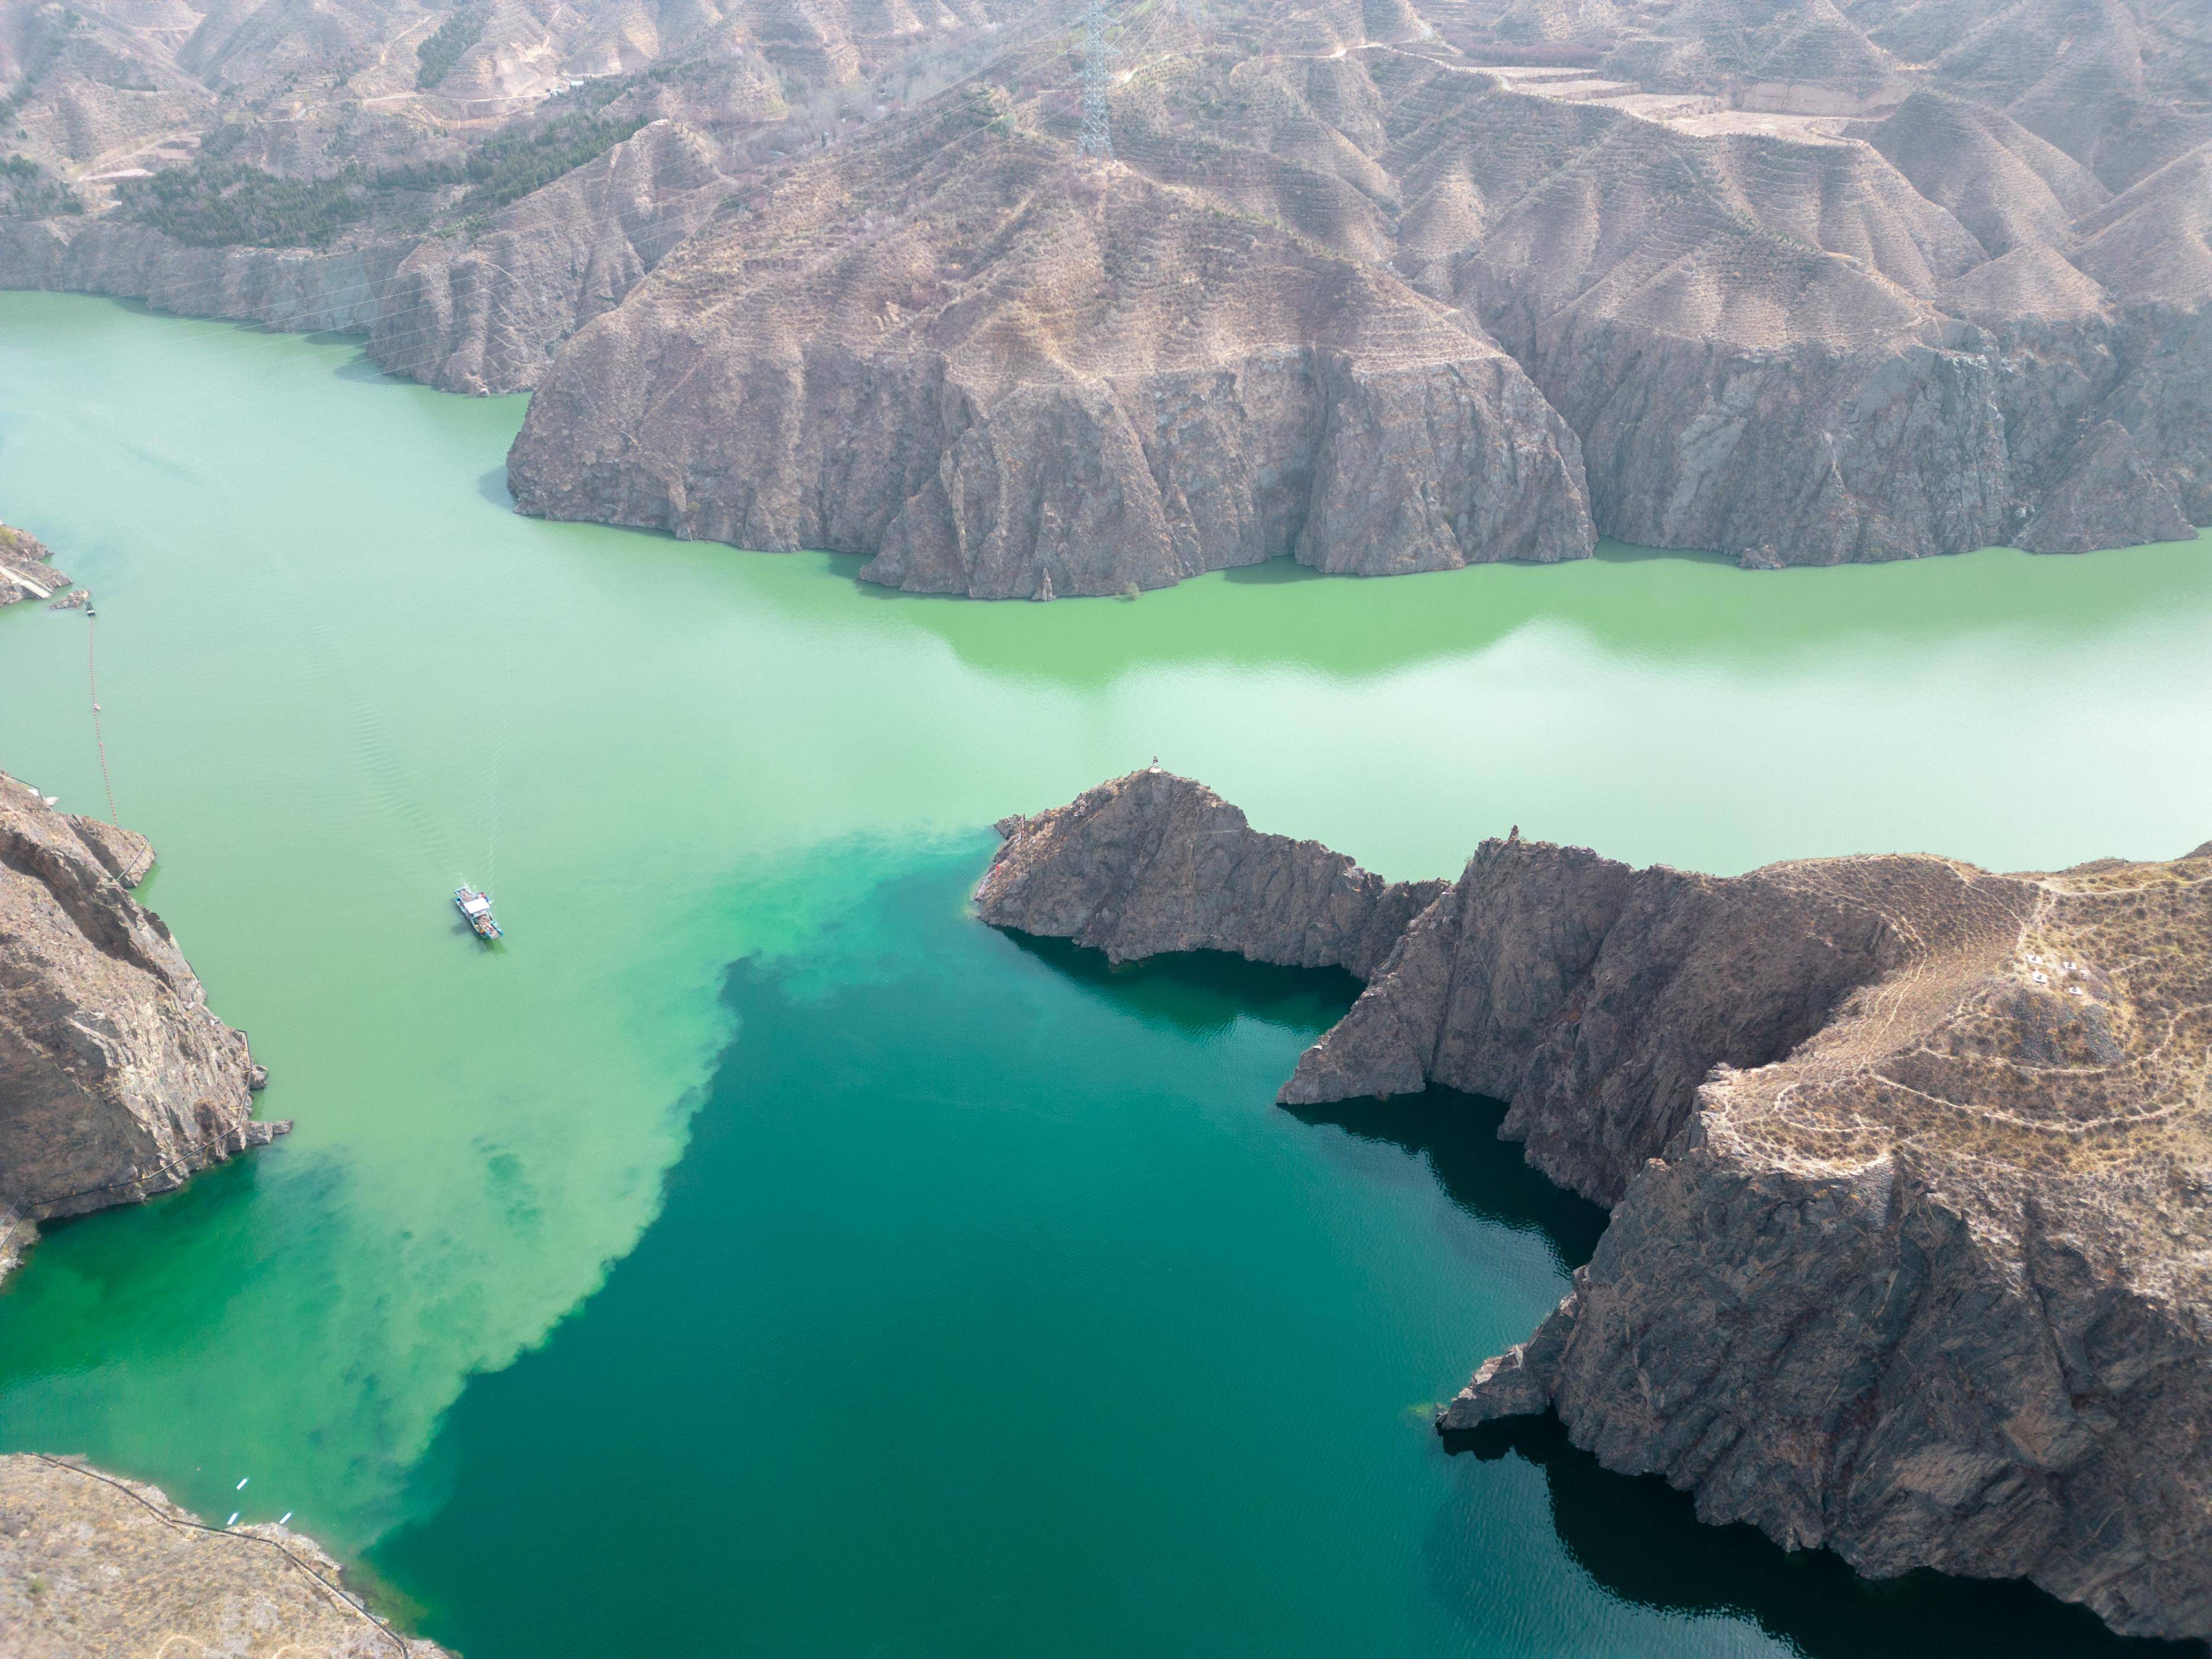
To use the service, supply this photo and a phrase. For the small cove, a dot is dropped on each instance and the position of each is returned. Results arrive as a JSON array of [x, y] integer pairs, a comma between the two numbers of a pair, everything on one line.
[[759, 1256]]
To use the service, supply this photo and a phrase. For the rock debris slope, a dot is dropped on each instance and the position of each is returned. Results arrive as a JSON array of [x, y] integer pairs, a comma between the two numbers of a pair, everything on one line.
[[91, 1565], [1910, 1164], [116, 1082]]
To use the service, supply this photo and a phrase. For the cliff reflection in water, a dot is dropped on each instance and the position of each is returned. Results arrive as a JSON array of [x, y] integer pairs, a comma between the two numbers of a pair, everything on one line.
[[1641, 1540]]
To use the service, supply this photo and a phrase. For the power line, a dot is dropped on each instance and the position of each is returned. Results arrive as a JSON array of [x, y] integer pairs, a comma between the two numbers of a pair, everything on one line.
[[183, 1524], [1097, 128], [92, 675]]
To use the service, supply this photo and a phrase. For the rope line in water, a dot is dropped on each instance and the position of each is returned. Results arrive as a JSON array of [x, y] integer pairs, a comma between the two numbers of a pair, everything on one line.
[[385, 1629], [92, 673]]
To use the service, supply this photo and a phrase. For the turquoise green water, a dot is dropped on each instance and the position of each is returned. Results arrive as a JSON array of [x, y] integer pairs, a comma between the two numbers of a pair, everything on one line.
[[757, 1256]]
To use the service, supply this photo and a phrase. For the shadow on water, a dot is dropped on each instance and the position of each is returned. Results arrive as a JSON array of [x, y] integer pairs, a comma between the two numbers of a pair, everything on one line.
[[1457, 1135], [493, 488], [1272, 573], [1201, 992], [1639, 1539], [1642, 1542]]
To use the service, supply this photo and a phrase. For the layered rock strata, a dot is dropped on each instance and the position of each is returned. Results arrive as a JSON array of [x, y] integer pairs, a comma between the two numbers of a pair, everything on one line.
[[116, 1081], [26, 572], [90, 1564], [1910, 1167], [442, 181]]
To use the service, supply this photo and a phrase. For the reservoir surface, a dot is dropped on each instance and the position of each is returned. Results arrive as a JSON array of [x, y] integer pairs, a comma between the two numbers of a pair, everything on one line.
[[758, 1257]]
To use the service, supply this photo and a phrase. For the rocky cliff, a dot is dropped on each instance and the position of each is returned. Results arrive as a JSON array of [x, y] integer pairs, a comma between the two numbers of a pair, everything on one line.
[[1006, 372], [1910, 1166], [1383, 287], [480, 312], [26, 572], [92, 1564], [116, 1082], [467, 185], [1792, 336], [1154, 863]]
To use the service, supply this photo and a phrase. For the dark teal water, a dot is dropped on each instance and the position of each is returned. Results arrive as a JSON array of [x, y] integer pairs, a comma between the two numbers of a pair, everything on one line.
[[1115, 1359]]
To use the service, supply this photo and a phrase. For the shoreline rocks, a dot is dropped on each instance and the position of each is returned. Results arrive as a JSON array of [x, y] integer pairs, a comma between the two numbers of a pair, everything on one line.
[[1910, 1163], [116, 1081], [27, 570], [93, 1564]]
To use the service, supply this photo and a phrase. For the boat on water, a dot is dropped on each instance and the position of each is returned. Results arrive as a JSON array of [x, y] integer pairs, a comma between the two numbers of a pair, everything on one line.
[[476, 909]]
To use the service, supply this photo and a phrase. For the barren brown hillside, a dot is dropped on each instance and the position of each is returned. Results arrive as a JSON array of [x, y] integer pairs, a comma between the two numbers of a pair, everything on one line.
[[1824, 280]]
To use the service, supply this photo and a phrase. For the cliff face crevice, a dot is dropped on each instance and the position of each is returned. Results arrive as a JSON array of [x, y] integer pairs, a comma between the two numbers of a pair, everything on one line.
[[1910, 1163], [116, 1081]]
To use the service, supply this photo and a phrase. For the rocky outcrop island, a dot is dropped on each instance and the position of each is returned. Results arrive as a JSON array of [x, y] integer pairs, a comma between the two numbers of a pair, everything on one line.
[[1910, 1163], [116, 1080], [90, 1564]]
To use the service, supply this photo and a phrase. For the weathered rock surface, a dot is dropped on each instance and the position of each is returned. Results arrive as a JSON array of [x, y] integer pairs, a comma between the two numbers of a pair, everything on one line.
[[1006, 372], [292, 290], [1910, 1255], [1154, 863], [116, 1081], [467, 185], [488, 314], [478, 314], [1382, 287], [26, 572], [91, 1565], [1770, 337], [1932, 1290]]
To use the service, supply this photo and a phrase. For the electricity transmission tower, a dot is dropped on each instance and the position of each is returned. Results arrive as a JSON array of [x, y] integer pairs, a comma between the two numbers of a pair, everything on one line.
[[1097, 131]]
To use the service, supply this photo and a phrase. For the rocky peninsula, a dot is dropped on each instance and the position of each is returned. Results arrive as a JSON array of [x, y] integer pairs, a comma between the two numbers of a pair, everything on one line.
[[116, 1080], [1910, 1163], [92, 1564]]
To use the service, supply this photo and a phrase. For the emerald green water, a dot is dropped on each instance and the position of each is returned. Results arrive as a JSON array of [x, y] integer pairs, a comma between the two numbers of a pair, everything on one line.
[[757, 1256]]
